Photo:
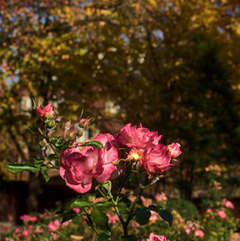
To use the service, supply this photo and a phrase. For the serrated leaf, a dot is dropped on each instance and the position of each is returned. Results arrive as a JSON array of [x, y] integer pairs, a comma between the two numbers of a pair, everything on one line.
[[103, 237], [100, 219], [93, 143], [142, 216], [80, 204], [15, 168], [166, 215]]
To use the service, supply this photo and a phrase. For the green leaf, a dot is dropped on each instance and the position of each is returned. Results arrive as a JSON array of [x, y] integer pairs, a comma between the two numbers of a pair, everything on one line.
[[166, 215], [80, 204], [45, 174], [103, 205], [100, 219], [94, 143], [104, 237], [15, 168], [142, 215]]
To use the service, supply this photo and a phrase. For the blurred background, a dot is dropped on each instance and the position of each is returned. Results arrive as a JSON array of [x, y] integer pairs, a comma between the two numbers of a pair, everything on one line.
[[172, 65]]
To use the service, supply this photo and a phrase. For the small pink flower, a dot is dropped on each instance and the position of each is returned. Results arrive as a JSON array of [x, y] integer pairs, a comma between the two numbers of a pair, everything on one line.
[[45, 111], [228, 204], [154, 237], [199, 233], [76, 210], [27, 218], [25, 232], [132, 198], [174, 149], [221, 214], [54, 236], [16, 231], [188, 231], [134, 224], [66, 223], [209, 210], [146, 201], [154, 217], [161, 197], [112, 218], [54, 225]]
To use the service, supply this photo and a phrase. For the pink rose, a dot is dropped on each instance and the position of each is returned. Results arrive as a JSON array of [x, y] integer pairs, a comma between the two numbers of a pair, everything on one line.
[[174, 149], [54, 225], [76, 210], [209, 210], [112, 218], [221, 214], [137, 137], [16, 231], [154, 237], [66, 223], [228, 204], [188, 231], [27, 231], [79, 165], [160, 197], [156, 159], [154, 217], [199, 233], [146, 201], [45, 111], [27, 218]]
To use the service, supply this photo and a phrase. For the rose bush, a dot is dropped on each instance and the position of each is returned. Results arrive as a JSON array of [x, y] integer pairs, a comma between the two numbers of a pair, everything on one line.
[[132, 156]]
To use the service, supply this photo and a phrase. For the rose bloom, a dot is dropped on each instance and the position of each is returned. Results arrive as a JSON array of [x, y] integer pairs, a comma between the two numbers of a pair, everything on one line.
[[16, 231], [156, 159], [154, 216], [137, 137], [188, 231], [174, 149], [209, 210], [112, 218], [146, 201], [76, 210], [45, 111], [221, 214], [161, 197], [66, 223], [228, 204], [154, 237], [199, 233], [27, 218], [54, 225], [79, 165]]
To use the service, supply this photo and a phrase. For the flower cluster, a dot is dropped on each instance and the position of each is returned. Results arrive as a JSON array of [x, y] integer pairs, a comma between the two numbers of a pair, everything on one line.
[[81, 164]]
